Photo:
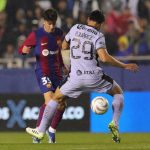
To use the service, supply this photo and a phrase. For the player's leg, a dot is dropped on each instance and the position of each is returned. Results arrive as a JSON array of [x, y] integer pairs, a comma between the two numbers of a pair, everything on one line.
[[107, 85], [57, 117], [55, 121], [47, 97], [47, 89], [70, 89], [47, 92], [48, 114], [117, 106], [67, 88]]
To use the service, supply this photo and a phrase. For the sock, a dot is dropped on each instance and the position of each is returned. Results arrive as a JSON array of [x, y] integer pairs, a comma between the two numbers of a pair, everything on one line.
[[42, 108], [48, 115], [52, 130], [117, 106], [57, 118]]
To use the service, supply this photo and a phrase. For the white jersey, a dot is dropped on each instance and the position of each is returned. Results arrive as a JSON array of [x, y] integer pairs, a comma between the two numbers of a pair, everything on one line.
[[84, 43]]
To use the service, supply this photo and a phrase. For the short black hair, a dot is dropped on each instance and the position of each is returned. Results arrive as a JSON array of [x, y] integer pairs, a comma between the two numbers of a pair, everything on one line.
[[97, 16], [50, 15]]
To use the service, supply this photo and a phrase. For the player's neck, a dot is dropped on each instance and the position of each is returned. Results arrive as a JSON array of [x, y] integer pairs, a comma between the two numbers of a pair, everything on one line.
[[91, 25], [94, 24], [47, 30]]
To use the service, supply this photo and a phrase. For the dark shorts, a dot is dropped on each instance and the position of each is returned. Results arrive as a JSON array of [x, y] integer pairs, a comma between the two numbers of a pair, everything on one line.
[[42, 81]]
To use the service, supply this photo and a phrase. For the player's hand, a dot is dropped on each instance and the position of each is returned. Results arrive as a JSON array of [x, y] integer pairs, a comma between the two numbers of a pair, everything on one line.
[[132, 67], [65, 71], [26, 50]]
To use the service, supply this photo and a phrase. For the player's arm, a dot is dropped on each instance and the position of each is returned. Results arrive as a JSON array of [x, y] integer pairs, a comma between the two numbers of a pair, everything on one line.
[[28, 44], [60, 43], [65, 71], [65, 45], [66, 41], [106, 58], [26, 49]]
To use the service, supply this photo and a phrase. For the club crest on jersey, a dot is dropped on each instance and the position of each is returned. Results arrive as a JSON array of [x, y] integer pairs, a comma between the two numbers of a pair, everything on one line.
[[45, 52]]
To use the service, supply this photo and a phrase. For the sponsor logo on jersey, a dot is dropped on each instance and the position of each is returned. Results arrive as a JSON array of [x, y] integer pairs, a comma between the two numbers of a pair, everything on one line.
[[46, 52], [83, 27], [79, 72], [89, 72], [53, 52]]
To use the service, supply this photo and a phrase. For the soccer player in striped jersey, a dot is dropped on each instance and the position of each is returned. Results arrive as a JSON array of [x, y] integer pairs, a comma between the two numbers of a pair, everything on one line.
[[46, 42], [87, 44]]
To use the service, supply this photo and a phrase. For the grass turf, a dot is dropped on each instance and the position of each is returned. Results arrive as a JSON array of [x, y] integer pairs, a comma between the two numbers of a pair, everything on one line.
[[75, 141]]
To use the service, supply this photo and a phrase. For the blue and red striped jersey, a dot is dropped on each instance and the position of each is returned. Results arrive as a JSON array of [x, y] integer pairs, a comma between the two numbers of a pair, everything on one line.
[[47, 49]]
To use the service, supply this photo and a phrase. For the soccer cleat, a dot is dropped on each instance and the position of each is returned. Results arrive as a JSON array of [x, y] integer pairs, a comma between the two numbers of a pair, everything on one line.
[[51, 137], [35, 133], [115, 132], [35, 140]]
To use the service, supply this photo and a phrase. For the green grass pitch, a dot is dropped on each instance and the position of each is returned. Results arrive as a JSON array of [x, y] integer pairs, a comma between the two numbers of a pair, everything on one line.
[[75, 141]]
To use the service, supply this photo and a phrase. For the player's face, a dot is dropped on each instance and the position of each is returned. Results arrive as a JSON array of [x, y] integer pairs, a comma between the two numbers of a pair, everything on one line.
[[49, 26]]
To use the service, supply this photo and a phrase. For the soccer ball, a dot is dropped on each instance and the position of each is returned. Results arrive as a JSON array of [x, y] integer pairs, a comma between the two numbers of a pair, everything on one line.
[[99, 105]]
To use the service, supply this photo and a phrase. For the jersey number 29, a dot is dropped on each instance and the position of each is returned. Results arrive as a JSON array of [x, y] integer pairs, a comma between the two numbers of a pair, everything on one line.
[[86, 47]]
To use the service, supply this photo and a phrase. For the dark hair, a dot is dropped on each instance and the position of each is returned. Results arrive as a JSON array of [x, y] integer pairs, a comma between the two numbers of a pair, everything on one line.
[[97, 15], [50, 15]]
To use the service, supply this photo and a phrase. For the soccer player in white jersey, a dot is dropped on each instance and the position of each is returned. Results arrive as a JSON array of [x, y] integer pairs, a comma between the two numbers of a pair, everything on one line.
[[87, 44]]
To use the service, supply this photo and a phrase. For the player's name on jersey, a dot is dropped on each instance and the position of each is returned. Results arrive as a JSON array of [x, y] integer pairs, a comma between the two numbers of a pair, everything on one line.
[[83, 35], [80, 26]]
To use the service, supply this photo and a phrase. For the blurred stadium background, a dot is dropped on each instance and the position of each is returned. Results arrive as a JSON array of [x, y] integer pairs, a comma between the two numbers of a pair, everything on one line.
[[127, 32]]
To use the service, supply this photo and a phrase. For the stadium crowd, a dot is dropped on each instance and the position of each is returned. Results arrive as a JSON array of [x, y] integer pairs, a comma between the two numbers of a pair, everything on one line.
[[126, 29]]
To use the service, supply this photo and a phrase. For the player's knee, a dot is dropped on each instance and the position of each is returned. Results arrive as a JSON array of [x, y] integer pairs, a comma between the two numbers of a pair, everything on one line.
[[62, 105], [58, 96], [116, 89], [51, 98], [47, 101], [48, 96]]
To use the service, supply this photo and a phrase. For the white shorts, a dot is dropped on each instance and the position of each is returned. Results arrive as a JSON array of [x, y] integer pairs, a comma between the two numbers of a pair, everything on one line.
[[73, 87]]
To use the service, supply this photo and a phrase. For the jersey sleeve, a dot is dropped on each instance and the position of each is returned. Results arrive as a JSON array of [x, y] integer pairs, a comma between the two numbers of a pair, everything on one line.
[[70, 34], [100, 42], [30, 41]]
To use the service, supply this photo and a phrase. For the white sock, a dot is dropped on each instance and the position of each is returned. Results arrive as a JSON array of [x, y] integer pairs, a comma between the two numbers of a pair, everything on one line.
[[48, 114], [117, 106], [52, 130]]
